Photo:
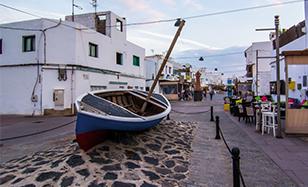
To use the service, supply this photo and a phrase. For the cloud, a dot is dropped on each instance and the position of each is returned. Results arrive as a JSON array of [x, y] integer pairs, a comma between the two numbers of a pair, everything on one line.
[[171, 3], [186, 43], [194, 4], [143, 7], [13, 16]]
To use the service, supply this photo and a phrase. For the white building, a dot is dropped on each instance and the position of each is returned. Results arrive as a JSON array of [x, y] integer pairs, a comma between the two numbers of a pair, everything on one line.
[[210, 77], [295, 38], [45, 64], [259, 68], [153, 64]]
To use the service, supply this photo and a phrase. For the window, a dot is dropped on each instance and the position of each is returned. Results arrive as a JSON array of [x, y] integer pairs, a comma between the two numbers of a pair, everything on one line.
[[93, 50], [304, 80], [119, 25], [119, 58], [0, 46], [28, 43], [136, 87], [169, 70], [136, 60]]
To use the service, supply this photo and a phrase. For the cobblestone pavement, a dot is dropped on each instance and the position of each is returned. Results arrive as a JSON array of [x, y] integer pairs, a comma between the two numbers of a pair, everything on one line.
[[158, 157], [211, 163]]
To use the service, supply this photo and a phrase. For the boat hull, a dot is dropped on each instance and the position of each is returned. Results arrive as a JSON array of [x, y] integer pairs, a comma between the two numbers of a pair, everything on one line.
[[92, 129]]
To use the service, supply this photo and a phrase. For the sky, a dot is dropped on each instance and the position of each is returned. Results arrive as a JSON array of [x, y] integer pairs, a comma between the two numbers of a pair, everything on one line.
[[213, 33]]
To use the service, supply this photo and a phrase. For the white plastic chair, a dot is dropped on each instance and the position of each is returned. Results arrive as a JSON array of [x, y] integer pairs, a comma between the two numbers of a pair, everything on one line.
[[268, 120]]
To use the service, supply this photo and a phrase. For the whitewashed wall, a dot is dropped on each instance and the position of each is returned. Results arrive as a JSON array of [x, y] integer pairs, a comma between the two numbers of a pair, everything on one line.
[[64, 45], [16, 86]]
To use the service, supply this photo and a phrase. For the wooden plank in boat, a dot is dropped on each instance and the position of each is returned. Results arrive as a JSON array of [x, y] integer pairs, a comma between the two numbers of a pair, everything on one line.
[[119, 100], [150, 101], [114, 99]]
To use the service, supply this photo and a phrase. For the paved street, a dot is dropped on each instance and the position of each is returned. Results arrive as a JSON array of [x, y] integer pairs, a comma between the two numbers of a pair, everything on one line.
[[265, 161], [211, 161], [16, 126]]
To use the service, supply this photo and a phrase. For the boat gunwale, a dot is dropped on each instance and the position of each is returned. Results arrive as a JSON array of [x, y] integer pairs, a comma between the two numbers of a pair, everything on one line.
[[117, 118]]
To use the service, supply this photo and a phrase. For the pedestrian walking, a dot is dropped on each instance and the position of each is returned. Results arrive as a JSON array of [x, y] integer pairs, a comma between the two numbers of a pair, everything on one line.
[[211, 92]]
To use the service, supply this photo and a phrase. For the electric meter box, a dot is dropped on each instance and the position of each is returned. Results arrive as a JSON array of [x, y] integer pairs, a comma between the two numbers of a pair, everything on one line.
[[58, 97]]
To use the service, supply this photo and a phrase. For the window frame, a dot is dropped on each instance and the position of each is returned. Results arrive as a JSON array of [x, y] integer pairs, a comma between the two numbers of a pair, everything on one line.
[[91, 45], [305, 81], [137, 58], [121, 55], [25, 39], [120, 26], [1, 45]]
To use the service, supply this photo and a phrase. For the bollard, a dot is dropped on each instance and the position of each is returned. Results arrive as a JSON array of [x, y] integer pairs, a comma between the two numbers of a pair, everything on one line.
[[217, 137], [236, 166], [212, 116], [168, 117]]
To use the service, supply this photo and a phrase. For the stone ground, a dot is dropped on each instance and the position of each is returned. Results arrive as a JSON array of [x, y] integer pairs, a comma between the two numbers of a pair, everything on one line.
[[158, 157]]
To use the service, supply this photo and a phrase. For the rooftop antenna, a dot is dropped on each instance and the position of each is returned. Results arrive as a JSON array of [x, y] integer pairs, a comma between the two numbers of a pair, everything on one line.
[[73, 7], [94, 4]]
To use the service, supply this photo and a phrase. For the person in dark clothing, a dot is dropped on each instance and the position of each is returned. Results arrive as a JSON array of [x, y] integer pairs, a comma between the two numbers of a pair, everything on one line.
[[211, 94]]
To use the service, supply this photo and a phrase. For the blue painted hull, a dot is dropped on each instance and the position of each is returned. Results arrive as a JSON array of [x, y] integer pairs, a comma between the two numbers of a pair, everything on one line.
[[92, 128], [87, 123]]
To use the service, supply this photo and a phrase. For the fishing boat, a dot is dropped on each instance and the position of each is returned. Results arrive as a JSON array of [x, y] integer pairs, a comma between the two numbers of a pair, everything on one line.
[[100, 112]]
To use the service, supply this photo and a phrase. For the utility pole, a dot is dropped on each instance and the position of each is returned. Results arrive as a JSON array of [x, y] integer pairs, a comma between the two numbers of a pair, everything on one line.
[[276, 29], [257, 72], [278, 76], [72, 10]]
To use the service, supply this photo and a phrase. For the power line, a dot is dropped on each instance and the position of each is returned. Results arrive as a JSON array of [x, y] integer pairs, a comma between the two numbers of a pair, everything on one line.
[[18, 10], [244, 9], [213, 14], [174, 19], [207, 56], [34, 15]]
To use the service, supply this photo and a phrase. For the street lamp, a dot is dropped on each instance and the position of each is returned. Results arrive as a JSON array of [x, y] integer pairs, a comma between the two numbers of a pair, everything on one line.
[[277, 71]]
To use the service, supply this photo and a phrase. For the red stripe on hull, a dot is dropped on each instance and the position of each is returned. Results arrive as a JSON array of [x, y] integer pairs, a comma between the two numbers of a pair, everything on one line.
[[89, 139]]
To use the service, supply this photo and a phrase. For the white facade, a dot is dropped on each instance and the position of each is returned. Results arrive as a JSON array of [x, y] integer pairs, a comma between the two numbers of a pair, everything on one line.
[[153, 64], [260, 67], [31, 82], [209, 77], [295, 72]]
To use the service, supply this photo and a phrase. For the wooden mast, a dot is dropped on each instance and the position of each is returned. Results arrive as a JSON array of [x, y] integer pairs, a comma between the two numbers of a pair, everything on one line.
[[182, 22]]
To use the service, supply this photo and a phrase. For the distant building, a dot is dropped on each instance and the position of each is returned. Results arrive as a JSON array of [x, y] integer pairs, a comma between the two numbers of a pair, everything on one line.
[[168, 81], [45, 64], [210, 77], [152, 64], [258, 68]]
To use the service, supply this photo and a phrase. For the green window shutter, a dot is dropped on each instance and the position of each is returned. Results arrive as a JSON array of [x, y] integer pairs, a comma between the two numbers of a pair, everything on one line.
[[136, 60]]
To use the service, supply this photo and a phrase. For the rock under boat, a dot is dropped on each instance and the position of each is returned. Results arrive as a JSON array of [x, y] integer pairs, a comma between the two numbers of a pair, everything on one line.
[[116, 110]]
